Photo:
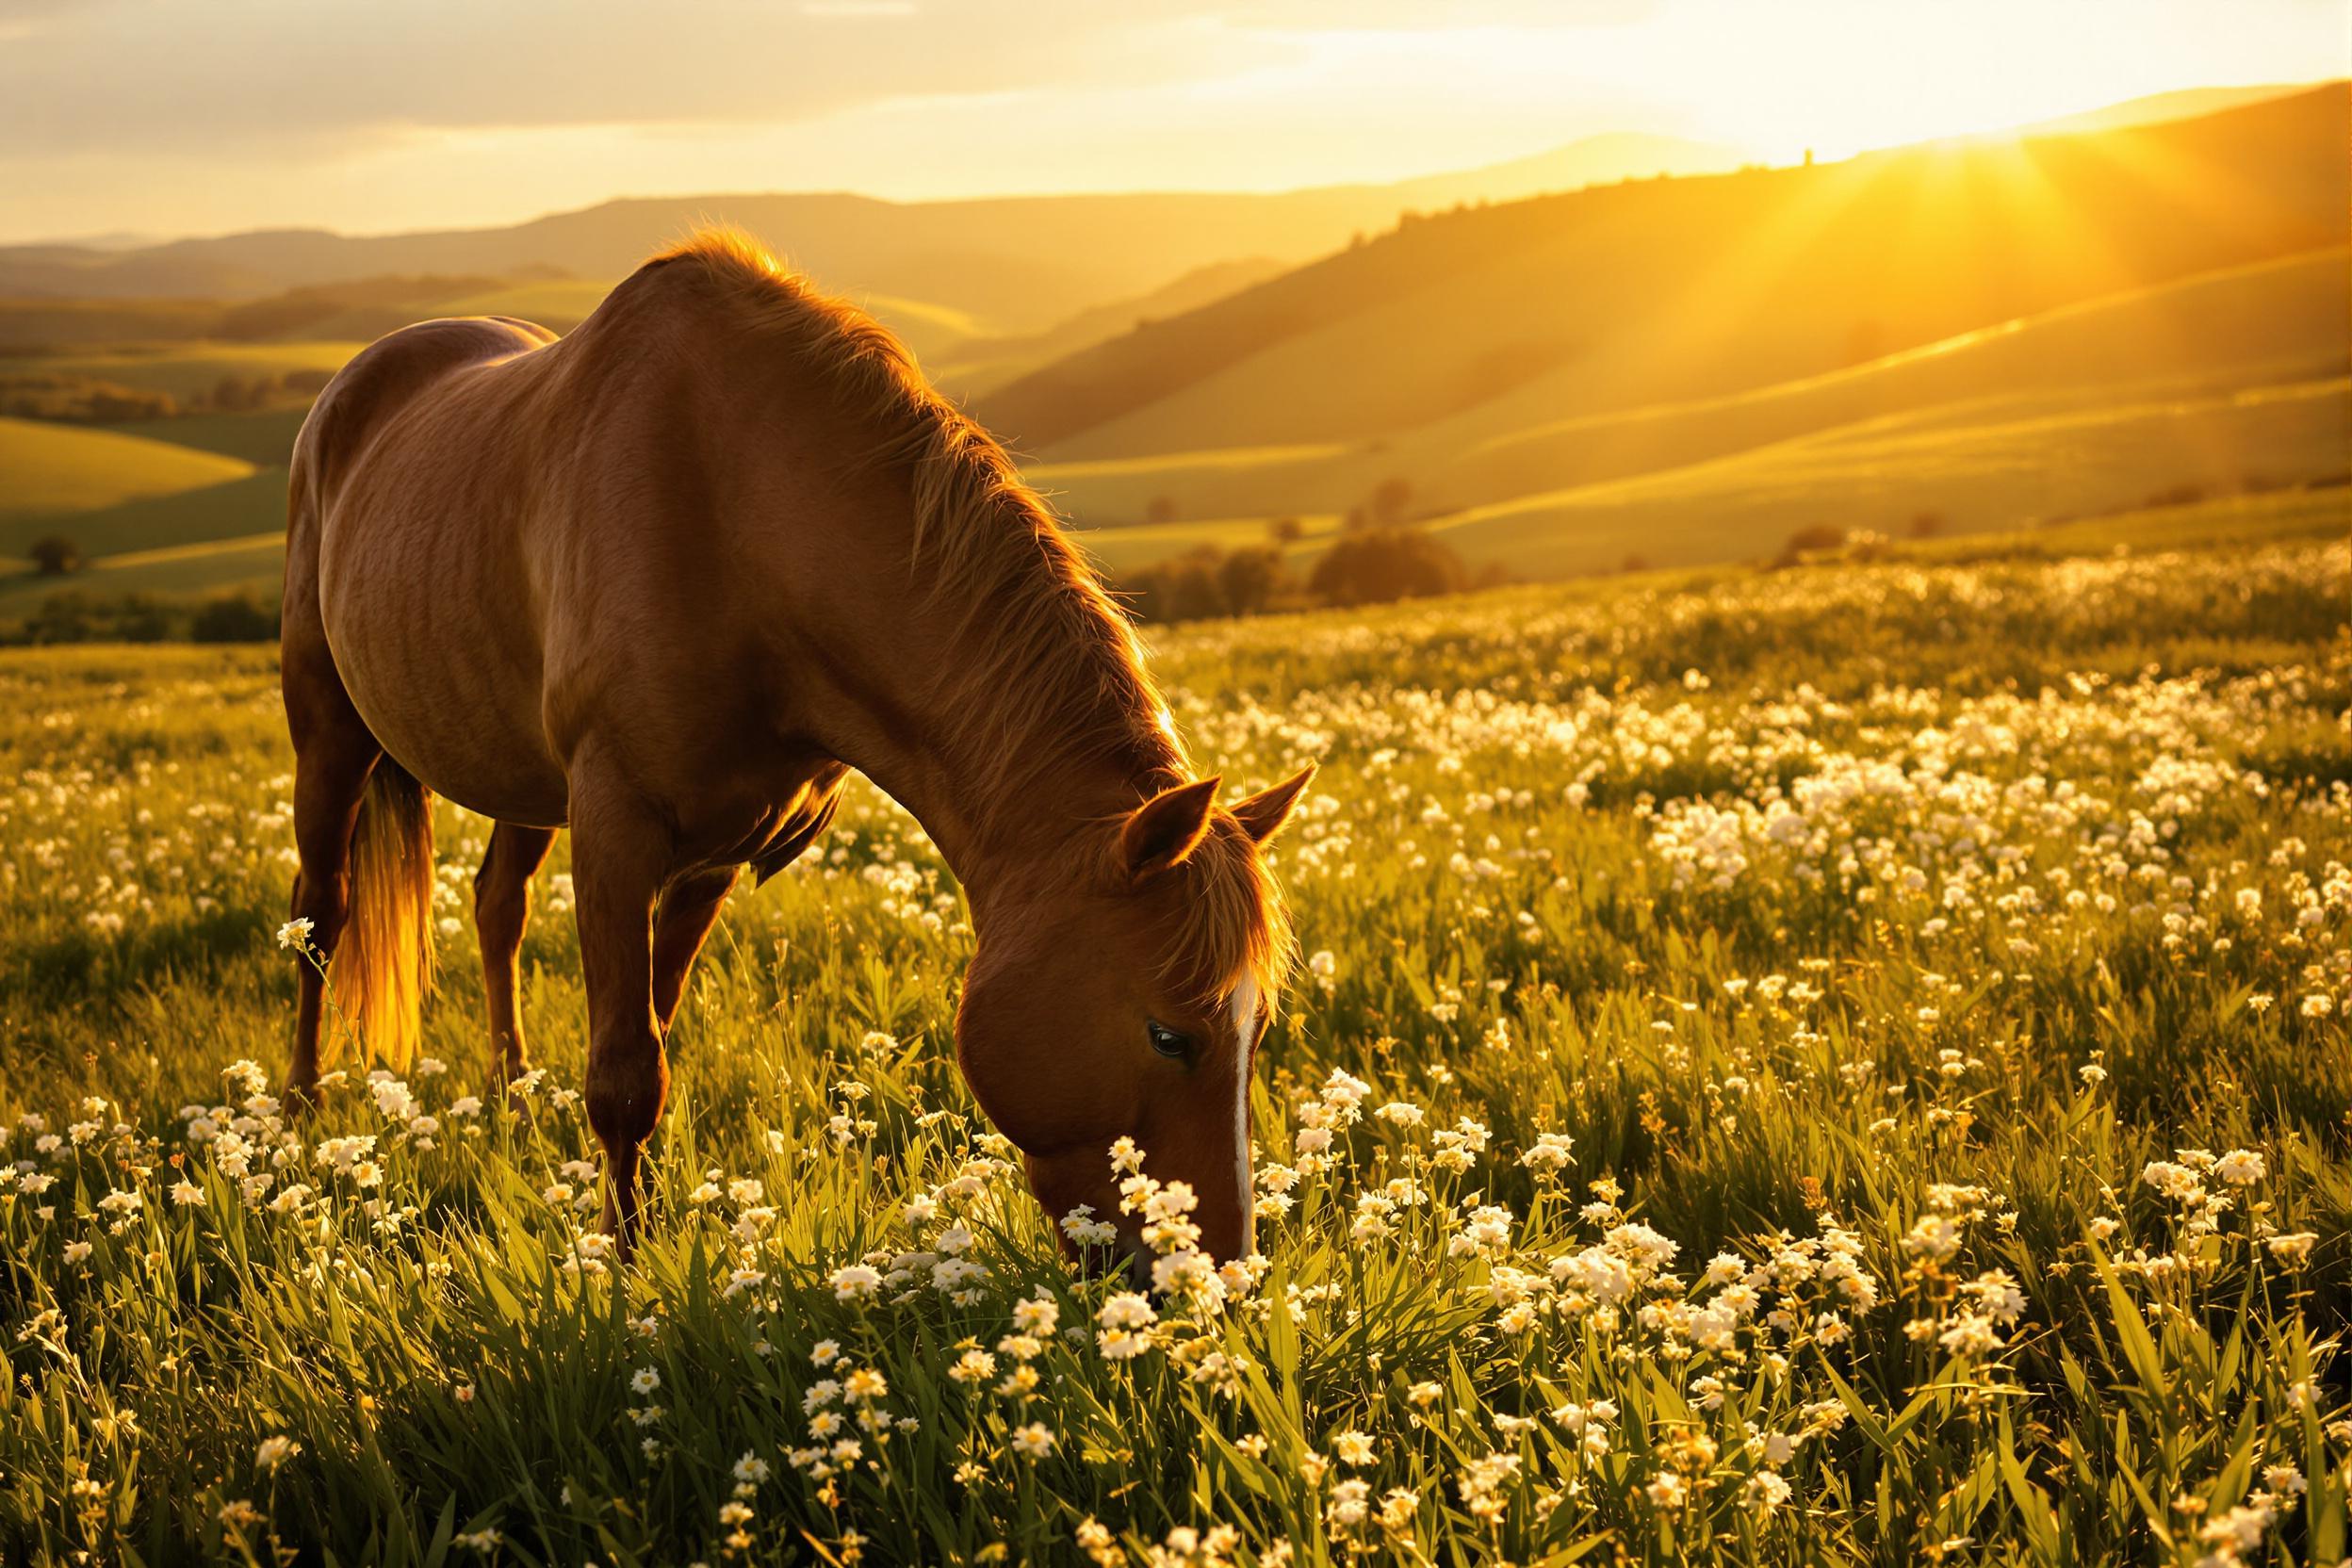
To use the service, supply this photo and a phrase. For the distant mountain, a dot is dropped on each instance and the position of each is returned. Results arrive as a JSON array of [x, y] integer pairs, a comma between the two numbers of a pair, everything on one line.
[[981, 362], [1594, 160], [1021, 265]]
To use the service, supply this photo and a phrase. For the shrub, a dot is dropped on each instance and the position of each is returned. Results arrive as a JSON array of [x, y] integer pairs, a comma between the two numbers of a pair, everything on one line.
[[1374, 565], [54, 555], [233, 618]]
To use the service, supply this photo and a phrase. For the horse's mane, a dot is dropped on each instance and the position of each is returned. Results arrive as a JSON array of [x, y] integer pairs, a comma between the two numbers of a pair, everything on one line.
[[1058, 660]]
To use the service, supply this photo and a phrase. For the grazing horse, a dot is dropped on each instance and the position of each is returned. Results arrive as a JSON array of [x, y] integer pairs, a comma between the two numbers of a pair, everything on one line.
[[666, 581]]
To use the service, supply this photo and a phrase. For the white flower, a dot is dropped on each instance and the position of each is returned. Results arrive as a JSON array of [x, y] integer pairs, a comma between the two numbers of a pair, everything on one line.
[[2240, 1168], [857, 1282]]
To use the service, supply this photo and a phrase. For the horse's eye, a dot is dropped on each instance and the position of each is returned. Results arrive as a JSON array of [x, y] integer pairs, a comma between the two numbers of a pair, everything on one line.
[[1166, 1041]]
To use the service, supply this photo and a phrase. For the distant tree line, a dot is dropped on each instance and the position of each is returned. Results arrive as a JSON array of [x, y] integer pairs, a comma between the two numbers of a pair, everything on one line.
[[74, 615], [1364, 566], [1381, 556], [71, 398]]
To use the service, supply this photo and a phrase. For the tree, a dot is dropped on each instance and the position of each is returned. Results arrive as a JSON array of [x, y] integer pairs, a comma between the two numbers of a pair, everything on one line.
[[1249, 578], [1374, 565], [1160, 509], [1286, 531], [1927, 525], [234, 618], [54, 555], [1811, 540]]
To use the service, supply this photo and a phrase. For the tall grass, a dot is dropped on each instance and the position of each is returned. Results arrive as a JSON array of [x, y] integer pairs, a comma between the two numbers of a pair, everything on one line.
[[1824, 1067]]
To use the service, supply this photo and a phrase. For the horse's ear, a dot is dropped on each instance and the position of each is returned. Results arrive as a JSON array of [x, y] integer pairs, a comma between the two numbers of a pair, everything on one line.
[[1263, 814], [1166, 828]]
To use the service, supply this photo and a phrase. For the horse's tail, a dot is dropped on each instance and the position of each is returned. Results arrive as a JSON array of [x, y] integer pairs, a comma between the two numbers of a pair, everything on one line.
[[382, 963]]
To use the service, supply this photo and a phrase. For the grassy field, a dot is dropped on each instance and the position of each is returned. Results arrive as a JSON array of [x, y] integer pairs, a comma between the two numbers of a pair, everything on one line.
[[1997, 473], [1824, 1066], [54, 470], [189, 369]]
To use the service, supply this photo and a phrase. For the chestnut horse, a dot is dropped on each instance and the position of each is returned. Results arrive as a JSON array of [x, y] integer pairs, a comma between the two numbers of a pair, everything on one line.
[[665, 582]]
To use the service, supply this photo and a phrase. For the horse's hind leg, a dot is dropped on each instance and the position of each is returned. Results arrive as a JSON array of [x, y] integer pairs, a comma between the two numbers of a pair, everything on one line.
[[501, 908], [334, 754], [690, 907]]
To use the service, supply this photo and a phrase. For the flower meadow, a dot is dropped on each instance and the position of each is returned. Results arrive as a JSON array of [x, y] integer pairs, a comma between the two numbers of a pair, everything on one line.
[[1824, 1066]]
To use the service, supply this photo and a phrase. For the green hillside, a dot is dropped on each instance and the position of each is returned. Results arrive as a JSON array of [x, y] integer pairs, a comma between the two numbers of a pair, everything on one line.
[[1987, 335], [264, 436], [254, 565], [51, 470], [229, 509], [189, 369], [2269, 322], [1881, 475], [1665, 291]]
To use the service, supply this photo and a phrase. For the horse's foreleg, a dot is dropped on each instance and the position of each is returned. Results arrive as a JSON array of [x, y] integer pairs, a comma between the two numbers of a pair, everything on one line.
[[620, 854], [690, 907], [501, 908]]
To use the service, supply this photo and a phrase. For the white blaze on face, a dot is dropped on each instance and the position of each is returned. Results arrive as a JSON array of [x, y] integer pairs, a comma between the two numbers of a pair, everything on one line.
[[1244, 1005]]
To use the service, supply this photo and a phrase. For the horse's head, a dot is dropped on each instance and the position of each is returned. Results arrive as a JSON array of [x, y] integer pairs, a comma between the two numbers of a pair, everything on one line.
[[1122, 993]]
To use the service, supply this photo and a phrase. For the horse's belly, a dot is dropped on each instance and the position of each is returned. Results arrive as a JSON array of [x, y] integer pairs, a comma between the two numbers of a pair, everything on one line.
[[451, 694]]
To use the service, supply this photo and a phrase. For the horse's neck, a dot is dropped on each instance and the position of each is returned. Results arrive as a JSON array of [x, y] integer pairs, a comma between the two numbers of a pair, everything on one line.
[[1008, 780]]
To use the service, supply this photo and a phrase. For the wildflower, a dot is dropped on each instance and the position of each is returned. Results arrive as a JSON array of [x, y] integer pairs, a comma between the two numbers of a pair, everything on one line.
[[2240, 1168], [1123, 1320], [1550, 1153], [1353, 1447], [2291, 1247], [1033, 1441], [857, 1282], [1350, 1505], [296, 934], [274, 1451], [645, 1379]]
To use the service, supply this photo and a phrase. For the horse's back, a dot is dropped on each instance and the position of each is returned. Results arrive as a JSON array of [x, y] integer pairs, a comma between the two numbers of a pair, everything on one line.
[[403, 548]]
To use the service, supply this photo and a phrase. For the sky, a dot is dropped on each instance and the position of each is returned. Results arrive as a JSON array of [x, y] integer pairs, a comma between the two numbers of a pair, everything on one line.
[[173, 117]]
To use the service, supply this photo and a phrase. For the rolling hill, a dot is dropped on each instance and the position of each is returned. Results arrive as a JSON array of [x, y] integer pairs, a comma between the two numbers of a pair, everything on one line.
[[1667, 290], [1983, 336], [58, 470], [2284, 319]]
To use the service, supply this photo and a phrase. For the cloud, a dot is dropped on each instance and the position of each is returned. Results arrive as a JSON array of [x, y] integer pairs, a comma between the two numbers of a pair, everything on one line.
[[160, 75]]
